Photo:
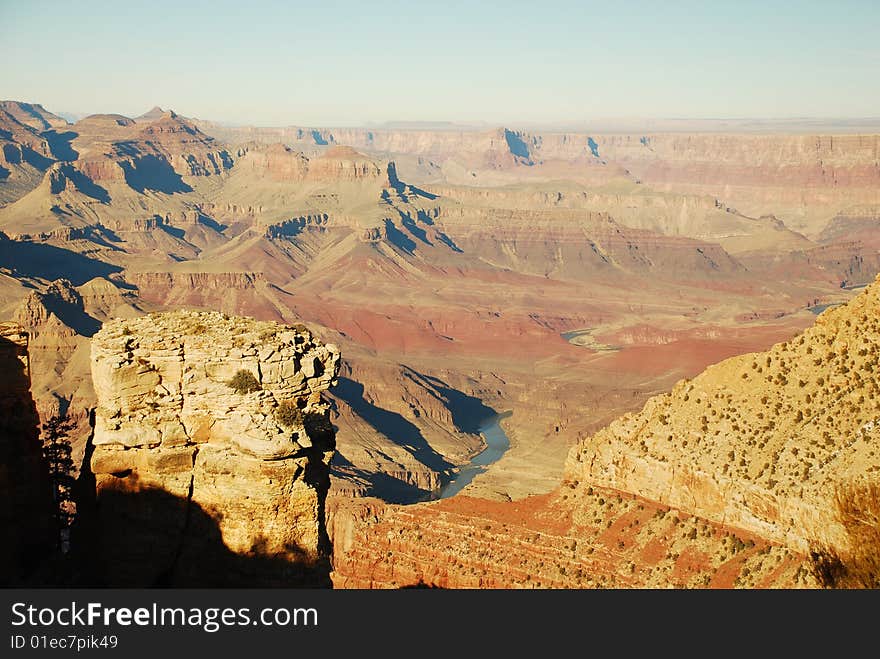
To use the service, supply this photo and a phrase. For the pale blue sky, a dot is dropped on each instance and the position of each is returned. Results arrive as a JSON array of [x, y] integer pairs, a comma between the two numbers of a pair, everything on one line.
[[347, 62]]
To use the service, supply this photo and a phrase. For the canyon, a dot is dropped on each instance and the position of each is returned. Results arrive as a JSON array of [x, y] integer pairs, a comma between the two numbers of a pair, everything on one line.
[[732, 479], [449, 268]]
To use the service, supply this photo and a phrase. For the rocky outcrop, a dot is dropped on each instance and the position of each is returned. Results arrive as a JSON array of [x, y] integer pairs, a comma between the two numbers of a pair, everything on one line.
[[189, 150], [759, 441], [275, 161], [296, 225], [26, 505], [181, 455], [342, 163]]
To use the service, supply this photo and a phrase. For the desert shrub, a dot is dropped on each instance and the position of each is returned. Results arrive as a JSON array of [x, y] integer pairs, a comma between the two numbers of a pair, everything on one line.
[[858, 566], [288, 414], [244, 382]]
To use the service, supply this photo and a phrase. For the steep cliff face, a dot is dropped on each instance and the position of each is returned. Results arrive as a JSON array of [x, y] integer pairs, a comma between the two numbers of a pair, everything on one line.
[[759, 441], [278, 162], [25, 495], [205, 477]]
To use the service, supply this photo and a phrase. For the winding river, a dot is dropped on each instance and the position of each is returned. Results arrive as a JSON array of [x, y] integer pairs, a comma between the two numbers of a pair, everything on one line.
[[496, 445]]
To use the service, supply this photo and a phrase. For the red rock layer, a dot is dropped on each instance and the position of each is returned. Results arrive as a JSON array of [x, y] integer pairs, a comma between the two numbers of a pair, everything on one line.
[[576, 537]]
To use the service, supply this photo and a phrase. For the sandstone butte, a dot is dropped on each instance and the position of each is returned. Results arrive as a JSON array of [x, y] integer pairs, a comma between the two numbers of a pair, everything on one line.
[[200, 483], [728, 480]]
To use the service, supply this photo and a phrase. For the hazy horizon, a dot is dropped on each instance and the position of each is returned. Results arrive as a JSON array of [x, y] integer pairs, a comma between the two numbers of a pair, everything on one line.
[[344, 64]]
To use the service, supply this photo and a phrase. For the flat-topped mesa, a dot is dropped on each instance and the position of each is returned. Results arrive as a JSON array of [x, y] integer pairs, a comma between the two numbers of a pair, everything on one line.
[[342, 163], [211, 450], [279, 162]]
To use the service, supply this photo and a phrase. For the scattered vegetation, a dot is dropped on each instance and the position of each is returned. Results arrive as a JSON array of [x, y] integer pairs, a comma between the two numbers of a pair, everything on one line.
[[55, 439], [288, 414], [244, 382]]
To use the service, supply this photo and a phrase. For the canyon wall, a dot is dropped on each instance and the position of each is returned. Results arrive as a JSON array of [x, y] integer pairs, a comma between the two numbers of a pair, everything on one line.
[[26, 503], [760, 441], [205, 476]]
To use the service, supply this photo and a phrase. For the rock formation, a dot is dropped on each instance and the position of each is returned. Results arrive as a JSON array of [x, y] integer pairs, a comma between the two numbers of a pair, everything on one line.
[[196, 464]]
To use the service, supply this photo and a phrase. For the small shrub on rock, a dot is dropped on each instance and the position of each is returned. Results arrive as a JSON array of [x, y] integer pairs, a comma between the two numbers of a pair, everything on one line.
[[244, 382], [288, 414]]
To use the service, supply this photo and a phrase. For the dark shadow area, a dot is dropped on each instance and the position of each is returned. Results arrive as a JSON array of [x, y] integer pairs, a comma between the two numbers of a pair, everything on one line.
[[35, 159], [27, 519], [4, 173], [211, 223], [423, 193], [150, 538], [415, 229], [153, 173], [399, 239], [446, 240], [109, 234], [69, 309], [49, 262], [174, 232], [421, 584], [516, 145], [594, 146], [468, 412], [128, 535], [86, 185], [319, 139], [404, 189], [424, 218], [60, 144], [394, 490], [11, 154], [287, 229], [101, 235], [391, 424]]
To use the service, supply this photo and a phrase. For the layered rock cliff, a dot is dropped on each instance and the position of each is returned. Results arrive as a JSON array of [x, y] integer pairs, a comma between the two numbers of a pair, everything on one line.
[[760, 441], [571, 538], [211, 450]]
